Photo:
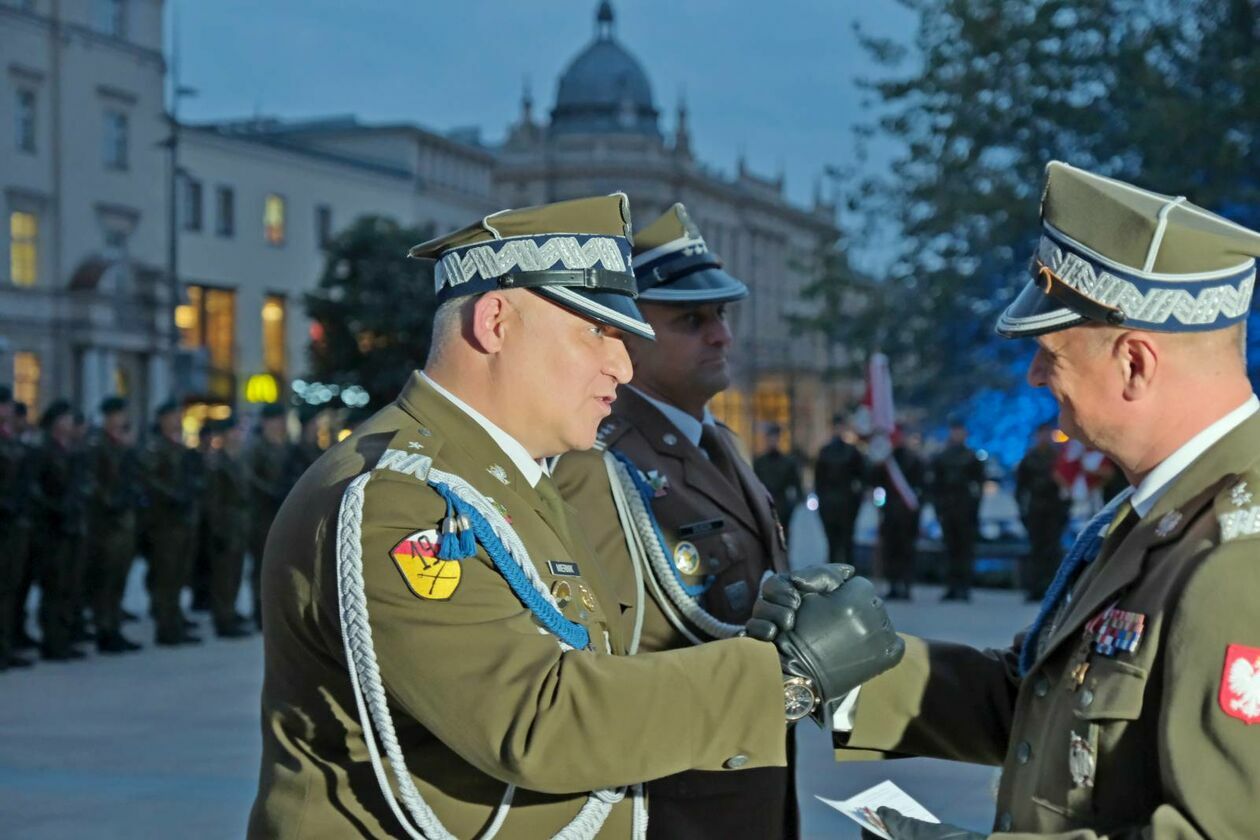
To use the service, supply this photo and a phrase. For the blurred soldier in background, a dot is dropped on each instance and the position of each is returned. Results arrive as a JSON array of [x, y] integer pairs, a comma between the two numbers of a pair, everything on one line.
[[1043, 508], [956, 484], [15, 531], [307, 450], [227, 524], [58, 525], [899, 524], [113, 478], [170, 482], [267, 470], [839, 477], [27, 439], [781, 474]]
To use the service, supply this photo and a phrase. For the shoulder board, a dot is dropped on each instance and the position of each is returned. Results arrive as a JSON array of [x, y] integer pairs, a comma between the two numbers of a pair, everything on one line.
[[410, 452], [1237, 508], [610, 431]]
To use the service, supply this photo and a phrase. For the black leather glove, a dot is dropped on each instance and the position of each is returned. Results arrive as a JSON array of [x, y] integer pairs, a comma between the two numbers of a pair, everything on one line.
[[901, 827], [830, 627]]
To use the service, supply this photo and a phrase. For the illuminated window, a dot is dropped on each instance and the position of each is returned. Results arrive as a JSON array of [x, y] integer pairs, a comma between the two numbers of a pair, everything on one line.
[[209, 320], [192, 205], [273, 335], [25, 121], [771, 405], [729, 407], [23, 248], [115, 137], [225, 211], [273, 219], [26, 379], [188, 319]]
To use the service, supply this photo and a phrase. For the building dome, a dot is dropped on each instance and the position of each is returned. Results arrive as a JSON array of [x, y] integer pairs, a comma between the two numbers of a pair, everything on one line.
[[604, 90]]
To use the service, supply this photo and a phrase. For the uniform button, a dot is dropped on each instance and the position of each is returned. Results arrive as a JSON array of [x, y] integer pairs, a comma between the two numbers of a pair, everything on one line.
[[735, 762], [1005, 821], [1041, 687], [1023, 752], [1087, 697]]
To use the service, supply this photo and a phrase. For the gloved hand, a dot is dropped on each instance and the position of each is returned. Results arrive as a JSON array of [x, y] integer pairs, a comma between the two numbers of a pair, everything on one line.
[[901, 827], [828, 626]]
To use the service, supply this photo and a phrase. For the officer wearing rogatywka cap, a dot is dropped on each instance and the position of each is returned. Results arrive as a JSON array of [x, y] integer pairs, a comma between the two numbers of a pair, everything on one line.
[[436, 623], [1130, 706], [720, 536]]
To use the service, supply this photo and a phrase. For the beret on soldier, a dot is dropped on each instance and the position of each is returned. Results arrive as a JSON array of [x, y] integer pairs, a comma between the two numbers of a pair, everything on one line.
[[6, 395], [58, 408], [168, 407], [112, 405], [1117, 254]]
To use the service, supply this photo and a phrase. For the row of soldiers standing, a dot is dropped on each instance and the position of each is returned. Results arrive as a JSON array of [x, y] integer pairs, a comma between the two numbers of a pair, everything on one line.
[[952, 480], [77, 507]]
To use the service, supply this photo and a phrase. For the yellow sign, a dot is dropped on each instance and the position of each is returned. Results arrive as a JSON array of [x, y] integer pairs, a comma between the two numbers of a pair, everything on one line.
[[262, 388], [427, 576]]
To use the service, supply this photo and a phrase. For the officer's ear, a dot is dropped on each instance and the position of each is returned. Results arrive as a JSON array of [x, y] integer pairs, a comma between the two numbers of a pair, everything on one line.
[[492, 315], [1139, 355]]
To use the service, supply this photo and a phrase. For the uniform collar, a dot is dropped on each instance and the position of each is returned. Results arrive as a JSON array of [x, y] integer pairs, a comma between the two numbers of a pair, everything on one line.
[[531, 470], [1158, 480], [690, 427]]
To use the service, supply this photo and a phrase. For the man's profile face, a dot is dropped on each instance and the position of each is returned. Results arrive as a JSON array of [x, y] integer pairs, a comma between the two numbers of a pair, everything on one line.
[[171, 424], [274, 429], [563, 371], [689, 356], [1081, 375], [118, 426]]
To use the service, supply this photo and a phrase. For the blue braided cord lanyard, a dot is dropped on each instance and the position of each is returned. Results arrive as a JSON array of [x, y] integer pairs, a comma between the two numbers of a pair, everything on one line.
[[1088, 543], [647, 494], [570, 632]]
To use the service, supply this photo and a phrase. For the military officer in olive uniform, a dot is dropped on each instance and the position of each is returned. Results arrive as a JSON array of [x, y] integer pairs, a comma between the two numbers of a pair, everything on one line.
[[113, 475], [267, 468], [900, 516], [839, 479], [780, 473], [718, 523], [226, 518], [15, 533], [172, 484], [435, 622], [956, 482], [1130, 707], [58, 526], [1043, 508]]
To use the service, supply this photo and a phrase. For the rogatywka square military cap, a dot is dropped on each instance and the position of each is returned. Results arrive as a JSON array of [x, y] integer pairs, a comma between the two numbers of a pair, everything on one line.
[[1117, 254], [673, 264], [574, 253]]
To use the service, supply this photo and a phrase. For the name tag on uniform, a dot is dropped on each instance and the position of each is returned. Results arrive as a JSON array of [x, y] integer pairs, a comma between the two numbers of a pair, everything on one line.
[[563, 568], [699, 529]]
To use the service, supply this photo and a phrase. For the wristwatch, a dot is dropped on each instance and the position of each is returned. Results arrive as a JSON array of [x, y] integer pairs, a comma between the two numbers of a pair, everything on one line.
[[799, 698]]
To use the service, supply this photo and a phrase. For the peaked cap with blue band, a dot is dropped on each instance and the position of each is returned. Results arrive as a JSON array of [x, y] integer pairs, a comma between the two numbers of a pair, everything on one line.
[[1117, 254], [672, 264], [574, 253]]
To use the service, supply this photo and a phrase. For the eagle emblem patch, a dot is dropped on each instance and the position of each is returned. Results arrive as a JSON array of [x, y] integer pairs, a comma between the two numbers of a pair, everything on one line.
[[1240, 683], [426, 575]]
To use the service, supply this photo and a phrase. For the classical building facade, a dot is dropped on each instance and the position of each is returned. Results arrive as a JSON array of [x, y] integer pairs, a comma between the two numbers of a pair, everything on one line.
[[87, 307], [604, 134]]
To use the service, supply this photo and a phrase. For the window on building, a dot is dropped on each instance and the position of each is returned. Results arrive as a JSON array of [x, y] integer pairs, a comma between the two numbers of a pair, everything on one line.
[[192, 204], [111, 18], [26, 379], [729, 407], [25, 121], [323, 225], [23, 248], [225, 211], [115, 243], [273, 219], [209, 320], [273, 312], [771, 404], [115, 146]]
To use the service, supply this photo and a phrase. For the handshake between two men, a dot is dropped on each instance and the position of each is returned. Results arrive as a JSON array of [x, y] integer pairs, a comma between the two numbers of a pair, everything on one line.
[[832, 633]]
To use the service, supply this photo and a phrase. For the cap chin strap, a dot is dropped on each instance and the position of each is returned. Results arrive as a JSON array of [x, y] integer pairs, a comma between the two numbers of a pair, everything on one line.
[[1054, 286]]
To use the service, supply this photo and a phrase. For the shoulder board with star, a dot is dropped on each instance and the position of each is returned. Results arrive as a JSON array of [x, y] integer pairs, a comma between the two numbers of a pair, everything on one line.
[[410, 452], [1237, 508]]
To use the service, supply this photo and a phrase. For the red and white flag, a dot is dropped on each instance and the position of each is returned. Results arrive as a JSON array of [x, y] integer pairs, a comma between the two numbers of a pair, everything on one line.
[[883, 425]]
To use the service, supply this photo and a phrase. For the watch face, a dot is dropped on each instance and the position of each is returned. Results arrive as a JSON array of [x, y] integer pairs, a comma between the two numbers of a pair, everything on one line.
[[798, 699]]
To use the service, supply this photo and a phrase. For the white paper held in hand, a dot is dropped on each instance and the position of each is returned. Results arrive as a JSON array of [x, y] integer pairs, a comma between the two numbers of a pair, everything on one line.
[[861, 808]]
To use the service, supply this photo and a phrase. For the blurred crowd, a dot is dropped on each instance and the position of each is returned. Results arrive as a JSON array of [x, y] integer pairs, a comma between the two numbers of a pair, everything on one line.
[[80, 504]]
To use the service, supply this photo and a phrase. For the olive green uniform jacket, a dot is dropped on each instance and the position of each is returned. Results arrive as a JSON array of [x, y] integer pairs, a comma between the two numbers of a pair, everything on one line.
[[481, 696], [1149, 744], [731, 528]]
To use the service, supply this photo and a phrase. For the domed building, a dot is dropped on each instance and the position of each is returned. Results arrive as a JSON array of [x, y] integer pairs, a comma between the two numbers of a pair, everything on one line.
[[603, 134]]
